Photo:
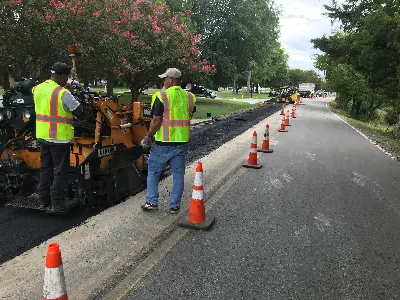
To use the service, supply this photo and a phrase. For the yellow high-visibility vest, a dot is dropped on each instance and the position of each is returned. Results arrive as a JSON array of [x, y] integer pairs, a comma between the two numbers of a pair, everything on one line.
[[178, 105], [53, 122]]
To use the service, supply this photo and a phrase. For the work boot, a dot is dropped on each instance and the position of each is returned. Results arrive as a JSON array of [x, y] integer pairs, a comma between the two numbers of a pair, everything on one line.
[[149, 207], [44, 201], [57, 207]]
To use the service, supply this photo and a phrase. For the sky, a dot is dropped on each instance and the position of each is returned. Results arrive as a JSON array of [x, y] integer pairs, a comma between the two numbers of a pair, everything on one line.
[[302, 21]]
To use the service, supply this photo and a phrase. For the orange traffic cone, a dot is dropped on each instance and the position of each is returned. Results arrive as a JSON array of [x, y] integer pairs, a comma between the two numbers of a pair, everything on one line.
[[197, 212], [265, 143], [283, 125], [54, 287], [287, 119], [252, 160], [283, 110], [301, 100], [293, 113]]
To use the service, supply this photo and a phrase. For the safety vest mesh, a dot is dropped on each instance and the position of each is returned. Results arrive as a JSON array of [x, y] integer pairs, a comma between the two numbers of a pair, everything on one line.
[[178, 105], [153, 98], [53, 122]]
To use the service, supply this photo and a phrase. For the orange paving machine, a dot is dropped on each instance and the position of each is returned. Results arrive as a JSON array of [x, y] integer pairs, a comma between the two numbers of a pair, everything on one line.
[[107, 162]]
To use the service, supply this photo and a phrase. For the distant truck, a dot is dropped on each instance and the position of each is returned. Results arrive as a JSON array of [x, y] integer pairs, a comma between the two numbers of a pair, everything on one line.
[[306, 89]]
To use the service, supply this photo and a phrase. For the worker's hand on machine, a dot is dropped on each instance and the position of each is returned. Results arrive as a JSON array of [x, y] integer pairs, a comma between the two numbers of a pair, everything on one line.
[[147, 142]]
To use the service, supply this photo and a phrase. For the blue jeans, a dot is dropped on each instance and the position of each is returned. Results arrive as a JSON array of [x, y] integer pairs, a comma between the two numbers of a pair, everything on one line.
[[158, 159]]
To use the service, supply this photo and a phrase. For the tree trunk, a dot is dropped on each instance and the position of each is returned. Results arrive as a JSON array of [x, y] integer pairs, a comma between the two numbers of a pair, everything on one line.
[[4, 82], [135, 93], [249, 83], [234, 87], [86, 81], [110, 84]]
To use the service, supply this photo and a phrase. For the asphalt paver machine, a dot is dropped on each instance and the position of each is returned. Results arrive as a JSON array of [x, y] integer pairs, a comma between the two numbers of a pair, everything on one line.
[[107, 162]]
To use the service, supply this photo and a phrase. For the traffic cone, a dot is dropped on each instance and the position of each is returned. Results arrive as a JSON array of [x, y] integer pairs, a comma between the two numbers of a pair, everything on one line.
[[293, 113], [283, 126], [196, 218], [301, 100], [287, 119], [265, 143], [283, 110], [252, 160], [54, 287]]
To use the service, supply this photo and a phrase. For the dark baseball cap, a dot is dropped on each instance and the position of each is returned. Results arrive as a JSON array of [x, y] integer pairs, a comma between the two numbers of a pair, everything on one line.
[[60, 68]]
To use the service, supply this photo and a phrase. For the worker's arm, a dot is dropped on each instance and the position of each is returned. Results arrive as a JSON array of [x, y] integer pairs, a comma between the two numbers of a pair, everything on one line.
[[71, 104], [158, 112]]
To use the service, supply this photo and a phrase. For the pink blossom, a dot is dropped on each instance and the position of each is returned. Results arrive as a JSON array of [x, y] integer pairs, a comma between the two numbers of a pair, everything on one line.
[[97, 13], [194, 67], [187, 12], [72, 9], [188, 54], [6, 20], [116, 23], [37, 12], [108, 9], [106, 35], [129, 66], [123, 59], [158, 29]]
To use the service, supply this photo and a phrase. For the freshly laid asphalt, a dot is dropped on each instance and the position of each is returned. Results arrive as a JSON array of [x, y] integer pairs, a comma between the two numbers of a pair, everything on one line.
[[320, 220]]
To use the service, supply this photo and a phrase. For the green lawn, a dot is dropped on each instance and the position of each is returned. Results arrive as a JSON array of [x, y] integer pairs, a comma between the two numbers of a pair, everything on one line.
[[377, 130], [203, 106], [218, 107], [231, 95]]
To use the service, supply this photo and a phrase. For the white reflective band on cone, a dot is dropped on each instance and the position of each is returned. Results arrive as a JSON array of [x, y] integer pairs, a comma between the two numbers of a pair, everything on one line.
[[253, 149], [197, 195], [198, 179], [54, 283], [254, 140]]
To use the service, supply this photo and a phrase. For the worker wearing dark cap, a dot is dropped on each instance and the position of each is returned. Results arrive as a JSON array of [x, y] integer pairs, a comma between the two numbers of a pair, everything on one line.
[[54, 106]]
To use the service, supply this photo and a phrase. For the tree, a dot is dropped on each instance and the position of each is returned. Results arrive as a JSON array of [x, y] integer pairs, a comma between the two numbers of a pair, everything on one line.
[[367, 49], [134, 39]]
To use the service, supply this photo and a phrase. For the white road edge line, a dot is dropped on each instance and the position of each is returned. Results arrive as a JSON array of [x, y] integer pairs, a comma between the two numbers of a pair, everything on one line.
[[370, 140]]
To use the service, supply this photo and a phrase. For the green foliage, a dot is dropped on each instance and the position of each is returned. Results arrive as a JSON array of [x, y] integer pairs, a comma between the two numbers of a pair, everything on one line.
[[297, 76], [362, 61]]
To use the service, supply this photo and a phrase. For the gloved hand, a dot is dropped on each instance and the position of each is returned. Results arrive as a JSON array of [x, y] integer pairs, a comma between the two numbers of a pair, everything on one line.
[[147, 142]]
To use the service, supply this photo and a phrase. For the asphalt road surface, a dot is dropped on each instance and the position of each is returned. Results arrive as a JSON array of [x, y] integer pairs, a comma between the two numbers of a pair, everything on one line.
[[320, 220]]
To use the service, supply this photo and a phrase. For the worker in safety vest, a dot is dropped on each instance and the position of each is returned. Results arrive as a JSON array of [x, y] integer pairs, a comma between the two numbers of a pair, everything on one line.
[[54, 106], [170, 130]]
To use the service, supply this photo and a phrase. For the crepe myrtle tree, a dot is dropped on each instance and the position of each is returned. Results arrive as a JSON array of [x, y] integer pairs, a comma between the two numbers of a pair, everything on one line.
[[133, 39], [155, 39]]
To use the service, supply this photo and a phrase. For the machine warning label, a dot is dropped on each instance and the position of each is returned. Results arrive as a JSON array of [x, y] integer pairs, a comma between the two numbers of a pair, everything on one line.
[[105, 151]]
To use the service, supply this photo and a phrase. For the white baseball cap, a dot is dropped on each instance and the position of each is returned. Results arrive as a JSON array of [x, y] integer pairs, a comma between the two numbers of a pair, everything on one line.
[[171, 72]]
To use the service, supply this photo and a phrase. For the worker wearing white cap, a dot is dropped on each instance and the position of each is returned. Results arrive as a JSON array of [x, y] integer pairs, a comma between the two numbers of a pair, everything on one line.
[[170, 129]]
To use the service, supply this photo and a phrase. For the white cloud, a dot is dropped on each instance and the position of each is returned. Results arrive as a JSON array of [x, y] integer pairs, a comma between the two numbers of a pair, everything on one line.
[[302, 21]]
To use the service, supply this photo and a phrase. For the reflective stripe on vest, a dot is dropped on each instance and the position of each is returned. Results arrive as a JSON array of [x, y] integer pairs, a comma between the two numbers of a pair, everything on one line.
[[52, 121], [54, 111], [167, 124]]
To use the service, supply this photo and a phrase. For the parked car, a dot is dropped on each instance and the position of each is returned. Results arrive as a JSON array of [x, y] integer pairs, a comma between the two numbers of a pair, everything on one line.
[[203, 92]]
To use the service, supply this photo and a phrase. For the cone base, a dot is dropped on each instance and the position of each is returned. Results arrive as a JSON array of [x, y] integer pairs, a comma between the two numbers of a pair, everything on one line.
[[257, 166], [294, 117], [280, 130], [198, 226], [265, 151]]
